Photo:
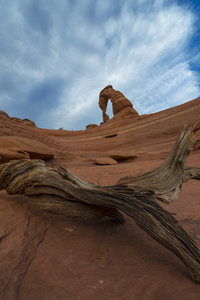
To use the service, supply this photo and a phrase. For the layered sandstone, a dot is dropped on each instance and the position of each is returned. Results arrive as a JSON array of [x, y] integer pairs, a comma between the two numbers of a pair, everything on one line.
[[15, 147], [122, 107], [24, 121]]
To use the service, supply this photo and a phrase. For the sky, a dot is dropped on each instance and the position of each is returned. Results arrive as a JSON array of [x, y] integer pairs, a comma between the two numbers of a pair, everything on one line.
[[56, 57]]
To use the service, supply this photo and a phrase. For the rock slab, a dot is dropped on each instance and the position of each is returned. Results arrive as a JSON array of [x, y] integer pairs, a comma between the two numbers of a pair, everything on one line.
[[14, 147]]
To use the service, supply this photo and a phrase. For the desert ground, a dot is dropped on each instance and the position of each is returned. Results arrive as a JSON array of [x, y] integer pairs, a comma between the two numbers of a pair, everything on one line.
[[48, 256]]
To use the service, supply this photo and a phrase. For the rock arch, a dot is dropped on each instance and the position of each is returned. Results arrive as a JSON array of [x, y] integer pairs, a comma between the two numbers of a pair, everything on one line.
[[121, 105]]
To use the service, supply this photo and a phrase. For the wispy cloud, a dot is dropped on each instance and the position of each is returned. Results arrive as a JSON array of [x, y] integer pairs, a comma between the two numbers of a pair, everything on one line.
[[56, 56]]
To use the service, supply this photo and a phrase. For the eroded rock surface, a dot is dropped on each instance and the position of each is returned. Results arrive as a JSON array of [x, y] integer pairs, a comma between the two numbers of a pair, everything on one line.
[[106, 161], [121, 155], [91, 126], [15, 147], [46, 256], [7, 154], [122, 107], [24, 121], [21, 233]]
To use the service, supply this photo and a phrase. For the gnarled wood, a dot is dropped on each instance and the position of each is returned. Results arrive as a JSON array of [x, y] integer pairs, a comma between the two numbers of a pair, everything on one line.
[[191, 173], [61, 192], [166, 180]]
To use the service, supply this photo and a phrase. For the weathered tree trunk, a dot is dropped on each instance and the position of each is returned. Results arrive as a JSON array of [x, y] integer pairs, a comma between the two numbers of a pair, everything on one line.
[[59, 191]]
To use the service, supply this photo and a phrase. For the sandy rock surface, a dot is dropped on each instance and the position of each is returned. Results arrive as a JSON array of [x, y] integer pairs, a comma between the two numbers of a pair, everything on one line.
[[12, 147], [106, 161], [7, 154], [121, 155], [46, 256]]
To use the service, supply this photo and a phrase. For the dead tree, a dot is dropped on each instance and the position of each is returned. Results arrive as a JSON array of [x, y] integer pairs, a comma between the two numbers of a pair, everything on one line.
[[60, 192]]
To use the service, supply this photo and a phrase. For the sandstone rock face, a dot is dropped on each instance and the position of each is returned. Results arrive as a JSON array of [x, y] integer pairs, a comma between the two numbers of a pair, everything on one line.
[[14, 147], [91, 126], [20, 236], [24, 121], [115, 156], [16, 119], [3, 114], [122, 107], [121, 155], [12, 154], [46, 256], [28, 122]]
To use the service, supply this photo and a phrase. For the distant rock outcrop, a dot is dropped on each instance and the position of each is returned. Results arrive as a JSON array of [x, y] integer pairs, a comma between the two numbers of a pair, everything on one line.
[[28, 122], [5, 116], [24, 121], [91, 126], [122, 107]]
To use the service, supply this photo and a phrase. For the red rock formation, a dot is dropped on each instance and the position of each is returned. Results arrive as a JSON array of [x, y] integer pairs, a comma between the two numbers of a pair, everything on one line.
[[15, 147], [46, 256], [24, 121], [106, 161], [91, 126], [121, 105], [28, 122]]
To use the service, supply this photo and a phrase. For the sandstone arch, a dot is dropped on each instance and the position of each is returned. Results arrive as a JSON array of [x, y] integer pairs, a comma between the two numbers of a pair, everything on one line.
[[121, 105]]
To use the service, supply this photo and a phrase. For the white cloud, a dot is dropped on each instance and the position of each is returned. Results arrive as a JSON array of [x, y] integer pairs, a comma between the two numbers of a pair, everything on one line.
[[140, 47]]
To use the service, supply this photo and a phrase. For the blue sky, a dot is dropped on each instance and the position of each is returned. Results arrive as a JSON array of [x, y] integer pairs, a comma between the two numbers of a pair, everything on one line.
[[56, 56]]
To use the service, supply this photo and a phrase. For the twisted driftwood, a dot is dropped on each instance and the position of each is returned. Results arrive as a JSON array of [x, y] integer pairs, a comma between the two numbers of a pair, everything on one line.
[[59, 191]]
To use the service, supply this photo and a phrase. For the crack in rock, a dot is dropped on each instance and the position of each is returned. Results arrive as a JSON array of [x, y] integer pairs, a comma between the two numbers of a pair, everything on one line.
[[18, 260], [31, 258]]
